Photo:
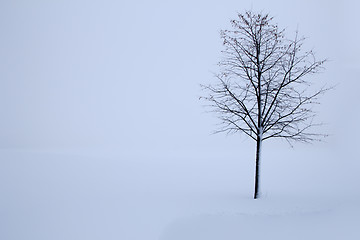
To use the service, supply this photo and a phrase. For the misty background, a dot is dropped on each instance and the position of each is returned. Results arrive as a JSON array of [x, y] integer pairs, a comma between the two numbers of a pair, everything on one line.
[[120, 80], [125, 77]]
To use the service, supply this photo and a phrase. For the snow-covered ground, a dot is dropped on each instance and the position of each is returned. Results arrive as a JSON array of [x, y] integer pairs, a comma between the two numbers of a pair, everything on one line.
[[53, 196]]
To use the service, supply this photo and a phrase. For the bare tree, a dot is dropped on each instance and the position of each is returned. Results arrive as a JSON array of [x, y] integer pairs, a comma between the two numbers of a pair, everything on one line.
[[263, 89]]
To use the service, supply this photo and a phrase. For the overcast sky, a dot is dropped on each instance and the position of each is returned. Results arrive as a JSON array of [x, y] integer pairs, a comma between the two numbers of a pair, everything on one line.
[[125, 74]]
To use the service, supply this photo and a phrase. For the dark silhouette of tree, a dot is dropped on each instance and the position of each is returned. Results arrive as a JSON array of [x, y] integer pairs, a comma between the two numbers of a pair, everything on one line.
[[263, 88]]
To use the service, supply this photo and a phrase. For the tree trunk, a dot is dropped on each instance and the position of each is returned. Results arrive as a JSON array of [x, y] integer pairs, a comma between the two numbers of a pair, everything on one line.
[[257, 167]]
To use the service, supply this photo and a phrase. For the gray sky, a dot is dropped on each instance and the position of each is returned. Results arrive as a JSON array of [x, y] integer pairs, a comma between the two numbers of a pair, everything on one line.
[[125, 75]]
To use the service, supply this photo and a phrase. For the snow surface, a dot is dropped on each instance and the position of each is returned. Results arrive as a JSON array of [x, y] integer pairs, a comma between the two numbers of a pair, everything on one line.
[[53, 195]]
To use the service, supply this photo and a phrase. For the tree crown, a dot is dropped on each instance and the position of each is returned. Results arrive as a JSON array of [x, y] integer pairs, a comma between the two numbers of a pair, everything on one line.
[[263, 88]]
